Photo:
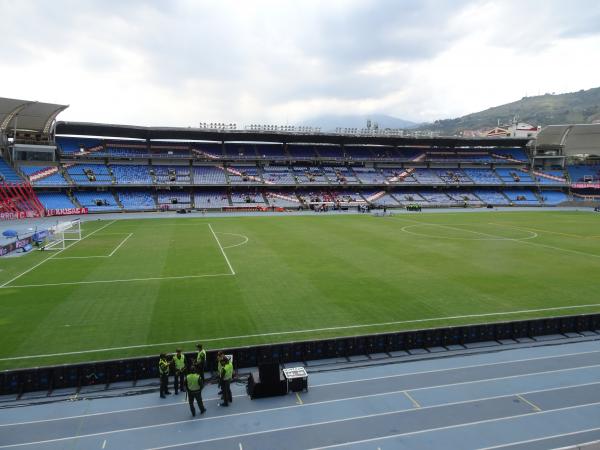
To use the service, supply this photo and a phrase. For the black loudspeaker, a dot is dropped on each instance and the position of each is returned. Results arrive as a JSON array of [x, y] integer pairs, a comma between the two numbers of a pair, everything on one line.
[[259, 388], [269, 373]]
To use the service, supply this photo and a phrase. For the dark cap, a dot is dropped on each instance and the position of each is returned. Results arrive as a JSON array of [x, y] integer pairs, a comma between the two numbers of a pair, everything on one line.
[[178, 350]]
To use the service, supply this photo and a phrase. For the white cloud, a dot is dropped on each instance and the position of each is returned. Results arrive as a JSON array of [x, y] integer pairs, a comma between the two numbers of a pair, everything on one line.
[[182, 62]]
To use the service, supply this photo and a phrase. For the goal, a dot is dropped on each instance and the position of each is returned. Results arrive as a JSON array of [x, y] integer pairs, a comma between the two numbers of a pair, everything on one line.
[[62, 234]]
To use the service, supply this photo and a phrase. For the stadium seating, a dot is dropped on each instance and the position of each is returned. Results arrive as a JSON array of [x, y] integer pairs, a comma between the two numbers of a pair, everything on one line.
[[136, 200], [44, 175], [514, 176], [482, 176], [240, 151], [584, 173], [174, 200], [282, 199], [368, 175], [247, 199], [208, 175], [211, 199], [302, 151], [7, 174], [358, 153], [172, 174], [329, 151], [553, 197], [97, 201], [310, 175], [244, 175], [522, 197], [90, 174], [54, 200], [132, 174], [270, 151], [510, 153], [492, 197], [278, 175]]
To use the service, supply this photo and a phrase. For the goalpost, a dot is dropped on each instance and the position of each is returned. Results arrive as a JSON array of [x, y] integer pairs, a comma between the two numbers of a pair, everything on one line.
[[62, 234]]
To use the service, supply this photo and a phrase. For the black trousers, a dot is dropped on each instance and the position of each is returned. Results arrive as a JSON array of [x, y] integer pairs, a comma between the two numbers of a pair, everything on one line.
[[164, 384], [226, 387], [178, 381], [196, 395]]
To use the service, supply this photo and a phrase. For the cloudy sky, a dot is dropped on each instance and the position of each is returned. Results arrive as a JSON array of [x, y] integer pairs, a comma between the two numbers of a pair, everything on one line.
[[183, 62]]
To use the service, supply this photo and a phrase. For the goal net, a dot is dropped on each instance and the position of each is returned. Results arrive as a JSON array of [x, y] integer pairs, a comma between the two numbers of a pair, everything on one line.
[[62, 235]]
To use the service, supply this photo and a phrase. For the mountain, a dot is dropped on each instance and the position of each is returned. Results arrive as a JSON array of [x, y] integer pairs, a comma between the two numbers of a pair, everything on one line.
[[548, 109], [330, 122]]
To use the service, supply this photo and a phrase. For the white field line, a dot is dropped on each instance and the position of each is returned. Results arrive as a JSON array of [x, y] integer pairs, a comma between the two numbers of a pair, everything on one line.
[[508, 239], [120, 245], [361, 380], [578, 236], [235, 234], [383, 414], [282, 333], [127, 280], [100, 256], [55, 254], [222, 251], [553, 436]]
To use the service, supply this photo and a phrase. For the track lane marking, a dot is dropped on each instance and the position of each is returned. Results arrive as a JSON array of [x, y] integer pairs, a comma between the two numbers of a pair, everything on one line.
[[523, 399]]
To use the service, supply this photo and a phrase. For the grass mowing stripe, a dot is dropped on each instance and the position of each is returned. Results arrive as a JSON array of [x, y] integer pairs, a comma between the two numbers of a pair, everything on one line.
[[57, 253], [281, 333]]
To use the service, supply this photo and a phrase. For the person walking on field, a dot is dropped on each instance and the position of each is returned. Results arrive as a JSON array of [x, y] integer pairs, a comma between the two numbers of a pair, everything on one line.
[[179, 363], [163, 371], [194, 386]]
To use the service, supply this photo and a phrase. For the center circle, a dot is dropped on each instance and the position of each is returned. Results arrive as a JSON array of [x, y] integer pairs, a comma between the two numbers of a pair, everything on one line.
[[475, 235]]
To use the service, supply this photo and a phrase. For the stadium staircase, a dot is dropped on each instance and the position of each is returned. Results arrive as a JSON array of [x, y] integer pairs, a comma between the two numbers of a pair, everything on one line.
[[73, 199], [118, 200], [543, 175]]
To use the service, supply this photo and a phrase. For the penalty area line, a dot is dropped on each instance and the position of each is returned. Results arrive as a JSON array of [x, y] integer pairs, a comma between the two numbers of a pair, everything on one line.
[[68, 283], [55, 254], [314, 330]]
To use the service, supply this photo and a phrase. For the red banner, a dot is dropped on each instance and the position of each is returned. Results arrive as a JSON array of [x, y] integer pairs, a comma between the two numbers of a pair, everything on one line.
[[585, 185], [66, 211]]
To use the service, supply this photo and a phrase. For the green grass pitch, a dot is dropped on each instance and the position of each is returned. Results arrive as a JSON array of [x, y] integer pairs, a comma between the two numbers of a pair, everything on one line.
[[137, 287]]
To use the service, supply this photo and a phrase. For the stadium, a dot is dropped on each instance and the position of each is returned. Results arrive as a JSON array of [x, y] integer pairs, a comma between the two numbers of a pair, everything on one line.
[[294, 246]]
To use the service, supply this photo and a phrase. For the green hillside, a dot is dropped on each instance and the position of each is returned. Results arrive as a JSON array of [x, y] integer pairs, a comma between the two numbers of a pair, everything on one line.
[[573, 107]]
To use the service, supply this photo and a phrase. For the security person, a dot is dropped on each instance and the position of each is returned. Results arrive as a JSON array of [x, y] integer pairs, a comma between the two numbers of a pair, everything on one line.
[[163, 371], [179, 364], [201, 361], [194, 386], [226, 376], [219, 368]]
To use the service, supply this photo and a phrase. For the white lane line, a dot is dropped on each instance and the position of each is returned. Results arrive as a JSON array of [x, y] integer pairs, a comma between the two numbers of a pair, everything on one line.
[[367, 416], [412, 400], [238, 235], [553, 436], [104, 443], [449, 427], [313, 386], [120, 245], [228, 416], [126, 280], [222, 251], [57, 253], [282, 333]]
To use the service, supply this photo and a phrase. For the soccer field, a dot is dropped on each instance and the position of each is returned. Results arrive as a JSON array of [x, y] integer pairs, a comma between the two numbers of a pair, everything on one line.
[[138, 287]]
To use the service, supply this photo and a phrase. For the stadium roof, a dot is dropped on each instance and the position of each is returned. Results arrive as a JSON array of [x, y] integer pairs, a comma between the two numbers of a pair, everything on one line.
[[28, 115], [198, 134], [573, 139]]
